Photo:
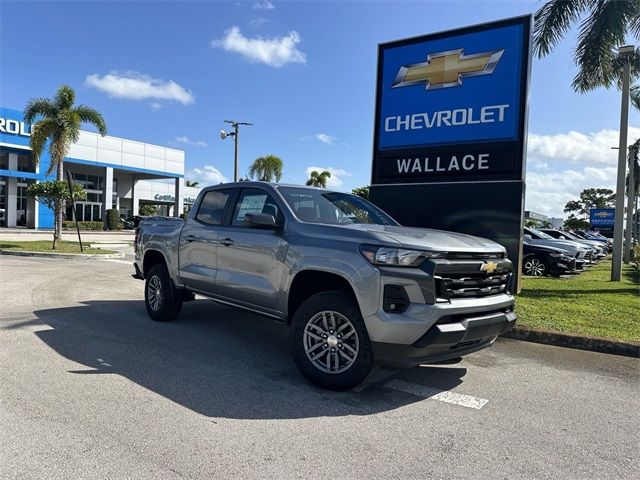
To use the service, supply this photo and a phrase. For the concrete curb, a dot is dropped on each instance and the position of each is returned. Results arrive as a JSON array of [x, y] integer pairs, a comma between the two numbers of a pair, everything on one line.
[[84, 256], [594, 344]]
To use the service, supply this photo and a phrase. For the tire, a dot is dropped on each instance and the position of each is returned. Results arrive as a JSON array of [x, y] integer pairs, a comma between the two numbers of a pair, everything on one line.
[[314, 329], [535, 267], [165, 305]]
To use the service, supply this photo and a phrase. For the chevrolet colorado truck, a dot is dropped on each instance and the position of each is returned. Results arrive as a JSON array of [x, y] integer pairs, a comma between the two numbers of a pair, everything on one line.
[[353, 285]]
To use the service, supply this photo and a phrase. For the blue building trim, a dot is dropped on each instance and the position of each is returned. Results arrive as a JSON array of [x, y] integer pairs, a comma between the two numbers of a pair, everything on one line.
[[124, 169]]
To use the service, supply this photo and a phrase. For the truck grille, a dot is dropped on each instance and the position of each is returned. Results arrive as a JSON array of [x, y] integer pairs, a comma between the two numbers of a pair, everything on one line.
[[472, 286]]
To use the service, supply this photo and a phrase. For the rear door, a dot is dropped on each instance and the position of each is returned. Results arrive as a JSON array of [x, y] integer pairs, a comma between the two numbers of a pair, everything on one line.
[[198, 249], [251, 260]]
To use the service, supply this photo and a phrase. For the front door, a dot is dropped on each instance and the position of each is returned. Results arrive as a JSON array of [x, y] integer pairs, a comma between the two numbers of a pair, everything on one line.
[[251, 260], [198, 246]]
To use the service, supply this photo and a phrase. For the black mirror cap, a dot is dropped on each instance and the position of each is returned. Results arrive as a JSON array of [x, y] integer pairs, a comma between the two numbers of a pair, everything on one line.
[[261, 220]]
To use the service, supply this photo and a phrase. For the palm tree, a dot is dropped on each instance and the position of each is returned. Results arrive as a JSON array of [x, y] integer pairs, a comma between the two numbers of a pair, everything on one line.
[[604, 24], [192, 183], [58, 121], [318, 179], [266, 169]]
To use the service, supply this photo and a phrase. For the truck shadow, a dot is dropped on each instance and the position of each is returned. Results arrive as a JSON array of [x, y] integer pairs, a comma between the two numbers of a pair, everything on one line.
[[214, 360]]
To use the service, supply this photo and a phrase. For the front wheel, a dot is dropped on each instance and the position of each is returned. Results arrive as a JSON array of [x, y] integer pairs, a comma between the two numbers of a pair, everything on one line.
[[329, 341], [162, 299], [535, 267]]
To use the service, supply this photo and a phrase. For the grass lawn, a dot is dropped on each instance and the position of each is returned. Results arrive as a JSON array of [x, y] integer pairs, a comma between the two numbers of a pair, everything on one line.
[[45, 246], [586, 304]]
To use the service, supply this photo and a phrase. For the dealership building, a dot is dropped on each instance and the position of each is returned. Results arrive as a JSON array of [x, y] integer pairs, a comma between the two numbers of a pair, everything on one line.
[[115, 172]]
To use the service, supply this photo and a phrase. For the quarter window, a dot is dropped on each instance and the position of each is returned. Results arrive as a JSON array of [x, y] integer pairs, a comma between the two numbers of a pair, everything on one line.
[[212, 207], [253, 200]]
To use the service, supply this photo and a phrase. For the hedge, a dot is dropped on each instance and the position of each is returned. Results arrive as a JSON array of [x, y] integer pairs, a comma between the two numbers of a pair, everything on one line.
[[113, 219], [71, 225]]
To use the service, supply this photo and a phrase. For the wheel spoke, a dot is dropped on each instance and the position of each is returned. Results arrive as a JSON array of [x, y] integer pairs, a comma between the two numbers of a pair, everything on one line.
[[347, 335], [314, 347], [317, 356], [324, 342], [315, 337]]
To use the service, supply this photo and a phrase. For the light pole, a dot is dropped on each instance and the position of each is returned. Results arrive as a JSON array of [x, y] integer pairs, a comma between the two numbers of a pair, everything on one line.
[[234, 134], [628, 234], [624, 53]]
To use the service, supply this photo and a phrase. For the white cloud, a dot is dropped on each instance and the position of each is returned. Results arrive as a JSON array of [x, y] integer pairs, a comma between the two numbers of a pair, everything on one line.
[[560, 166], [137, 86], [208, 175], [275, 52], [578, 147], [258, 22], [324, 138], [187, 141], [263, 5], [336, 173], [155, 106]]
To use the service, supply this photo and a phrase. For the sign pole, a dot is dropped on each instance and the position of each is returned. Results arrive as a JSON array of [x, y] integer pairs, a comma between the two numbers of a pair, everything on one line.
[[630, 197], [73, 207]]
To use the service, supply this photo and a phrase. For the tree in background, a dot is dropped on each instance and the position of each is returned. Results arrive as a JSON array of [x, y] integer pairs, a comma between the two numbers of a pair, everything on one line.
[[58, 121], [317, 179], [575, 223], [148, 210], [52, 194], [266, 169], [361, 192], [590, 198], [604, 24], [191, 183]]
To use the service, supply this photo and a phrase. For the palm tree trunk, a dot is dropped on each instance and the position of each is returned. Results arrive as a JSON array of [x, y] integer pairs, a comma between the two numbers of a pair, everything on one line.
[[57, 234]]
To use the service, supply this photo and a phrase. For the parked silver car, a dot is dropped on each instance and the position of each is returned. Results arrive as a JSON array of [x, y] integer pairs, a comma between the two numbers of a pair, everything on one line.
[[354, 286]]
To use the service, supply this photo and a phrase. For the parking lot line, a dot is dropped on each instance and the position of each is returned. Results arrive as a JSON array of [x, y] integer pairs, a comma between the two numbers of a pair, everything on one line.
[[115, 260], [437, 394]]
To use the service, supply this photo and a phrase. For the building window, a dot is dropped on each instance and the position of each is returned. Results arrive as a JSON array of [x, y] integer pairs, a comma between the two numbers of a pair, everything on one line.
[[4, 161], [25, 164]]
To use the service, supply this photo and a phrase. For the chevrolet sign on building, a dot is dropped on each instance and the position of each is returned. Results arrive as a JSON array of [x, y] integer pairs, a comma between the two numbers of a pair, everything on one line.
[[450, 127]]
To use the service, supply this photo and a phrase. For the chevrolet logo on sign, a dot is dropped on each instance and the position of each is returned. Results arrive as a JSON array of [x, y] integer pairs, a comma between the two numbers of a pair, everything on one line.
[[488, 267], [447, 69]]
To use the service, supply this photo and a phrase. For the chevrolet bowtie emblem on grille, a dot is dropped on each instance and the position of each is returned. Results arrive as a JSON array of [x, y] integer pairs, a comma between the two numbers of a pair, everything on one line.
[[488, 267], [447, 69]]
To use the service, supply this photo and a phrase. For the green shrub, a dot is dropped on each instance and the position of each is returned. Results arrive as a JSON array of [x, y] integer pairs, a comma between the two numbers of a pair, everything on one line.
[[113, 219], [70, 225]]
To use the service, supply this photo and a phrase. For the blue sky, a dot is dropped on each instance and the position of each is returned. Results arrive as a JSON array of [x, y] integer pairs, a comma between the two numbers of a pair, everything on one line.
[[304, 72]]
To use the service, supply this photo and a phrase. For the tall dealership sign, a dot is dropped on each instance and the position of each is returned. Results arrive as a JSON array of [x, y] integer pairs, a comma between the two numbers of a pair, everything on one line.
[[450, 130]]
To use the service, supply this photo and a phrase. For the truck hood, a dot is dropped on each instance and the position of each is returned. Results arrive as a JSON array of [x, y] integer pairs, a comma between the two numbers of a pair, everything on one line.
[[428, 239]]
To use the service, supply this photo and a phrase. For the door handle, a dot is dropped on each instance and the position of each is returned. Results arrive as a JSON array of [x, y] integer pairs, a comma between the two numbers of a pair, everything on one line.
[[190, 238], [227, 242]]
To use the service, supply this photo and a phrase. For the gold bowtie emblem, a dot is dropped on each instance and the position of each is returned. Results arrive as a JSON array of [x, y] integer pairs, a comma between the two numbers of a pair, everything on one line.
[[447, 69], [488, 267]]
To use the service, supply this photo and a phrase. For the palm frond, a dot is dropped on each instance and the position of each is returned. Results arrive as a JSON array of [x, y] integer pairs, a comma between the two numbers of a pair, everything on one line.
[[553, 20], [64, 97], [39, 107], [40, 133], [91, 115], [602, 31]]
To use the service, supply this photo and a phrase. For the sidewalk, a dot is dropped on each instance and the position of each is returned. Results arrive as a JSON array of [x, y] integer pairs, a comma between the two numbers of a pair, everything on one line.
[[23, 234]]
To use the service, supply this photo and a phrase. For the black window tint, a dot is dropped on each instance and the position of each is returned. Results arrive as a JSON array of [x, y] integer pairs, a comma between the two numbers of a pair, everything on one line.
[[253, 200], [212, 207]]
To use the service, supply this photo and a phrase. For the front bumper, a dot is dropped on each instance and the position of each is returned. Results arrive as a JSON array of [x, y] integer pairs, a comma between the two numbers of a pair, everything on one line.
[[444, 341]]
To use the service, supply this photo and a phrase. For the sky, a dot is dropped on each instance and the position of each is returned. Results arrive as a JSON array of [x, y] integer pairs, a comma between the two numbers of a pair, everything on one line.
[[303, 72]]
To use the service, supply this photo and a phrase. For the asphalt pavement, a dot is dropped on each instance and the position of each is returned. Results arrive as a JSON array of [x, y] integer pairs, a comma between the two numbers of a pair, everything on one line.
[[90, 387]]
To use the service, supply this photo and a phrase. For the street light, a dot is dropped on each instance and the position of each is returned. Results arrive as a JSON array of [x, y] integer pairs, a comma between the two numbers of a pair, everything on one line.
[[624, 54], [234, 134]]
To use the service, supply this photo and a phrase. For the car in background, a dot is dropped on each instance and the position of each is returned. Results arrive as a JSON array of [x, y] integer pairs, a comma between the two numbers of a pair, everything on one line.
[[596, 236], [564, 235], [575, 249], [135, 220], [540, 260]]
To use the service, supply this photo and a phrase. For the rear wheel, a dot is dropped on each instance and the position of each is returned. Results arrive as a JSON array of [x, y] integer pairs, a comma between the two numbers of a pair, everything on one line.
[[534, 266], [162, 299], [329, 341]]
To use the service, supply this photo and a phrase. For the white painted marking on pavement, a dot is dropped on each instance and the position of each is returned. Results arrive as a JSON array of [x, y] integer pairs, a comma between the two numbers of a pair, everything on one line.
[[437, 394], [115, 260]]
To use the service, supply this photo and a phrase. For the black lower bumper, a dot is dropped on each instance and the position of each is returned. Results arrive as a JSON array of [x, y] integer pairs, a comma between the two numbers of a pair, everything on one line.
[[445, 341]]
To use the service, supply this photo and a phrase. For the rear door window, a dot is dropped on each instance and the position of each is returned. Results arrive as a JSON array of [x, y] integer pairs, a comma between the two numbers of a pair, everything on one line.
[[212, 207]]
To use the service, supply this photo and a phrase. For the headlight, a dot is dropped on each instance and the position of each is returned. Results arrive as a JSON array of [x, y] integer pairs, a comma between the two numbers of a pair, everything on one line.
[[556, 254], [397, 257]]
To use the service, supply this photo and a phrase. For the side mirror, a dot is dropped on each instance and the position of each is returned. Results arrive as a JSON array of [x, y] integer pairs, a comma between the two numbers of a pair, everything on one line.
[[527, 236], [260, 220], [562, 237]]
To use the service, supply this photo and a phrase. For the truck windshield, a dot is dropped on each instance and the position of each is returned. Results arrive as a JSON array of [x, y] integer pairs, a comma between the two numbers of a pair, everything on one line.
[[334, 208]]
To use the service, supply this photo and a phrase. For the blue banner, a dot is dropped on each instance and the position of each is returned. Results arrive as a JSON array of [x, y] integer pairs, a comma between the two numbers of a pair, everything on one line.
[[602, 217]]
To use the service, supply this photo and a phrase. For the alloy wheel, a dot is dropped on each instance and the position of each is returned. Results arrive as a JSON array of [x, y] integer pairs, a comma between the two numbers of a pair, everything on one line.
[[534, 267], [154, 293], [331, 342]]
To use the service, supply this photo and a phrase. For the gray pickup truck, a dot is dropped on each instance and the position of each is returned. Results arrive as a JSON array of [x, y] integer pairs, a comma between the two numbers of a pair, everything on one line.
[[354, 286]]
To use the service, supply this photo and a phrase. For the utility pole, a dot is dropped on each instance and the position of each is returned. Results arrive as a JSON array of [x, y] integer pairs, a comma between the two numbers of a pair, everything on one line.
[[624, 53], [234, 134], [628, 237]]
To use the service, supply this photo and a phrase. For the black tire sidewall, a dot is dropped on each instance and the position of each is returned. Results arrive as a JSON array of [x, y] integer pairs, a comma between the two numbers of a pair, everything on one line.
[[171, 299], [346, 305]]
